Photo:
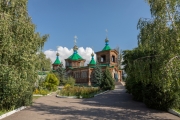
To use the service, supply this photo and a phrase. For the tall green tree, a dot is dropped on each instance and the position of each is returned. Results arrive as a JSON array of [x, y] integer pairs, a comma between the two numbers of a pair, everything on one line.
[[43, 63], [107, 81], [155, 64], [19, 44], [61, 73]]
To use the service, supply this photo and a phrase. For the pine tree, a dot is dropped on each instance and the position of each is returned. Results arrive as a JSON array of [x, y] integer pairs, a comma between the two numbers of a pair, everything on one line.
[[98, 74], [61, 72], [108, 81], [19, 44]]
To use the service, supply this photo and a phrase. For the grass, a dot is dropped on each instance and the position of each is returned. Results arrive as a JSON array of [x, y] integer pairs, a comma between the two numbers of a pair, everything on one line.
[[178, 110], [3, 112]]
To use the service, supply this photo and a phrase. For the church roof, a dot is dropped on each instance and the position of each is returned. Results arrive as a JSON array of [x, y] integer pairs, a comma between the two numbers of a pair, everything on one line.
[[75, 56], [107, 47], [92, 62], [57, 61]]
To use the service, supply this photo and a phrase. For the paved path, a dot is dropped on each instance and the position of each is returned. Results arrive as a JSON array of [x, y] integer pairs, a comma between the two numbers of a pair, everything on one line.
[[116, 104]]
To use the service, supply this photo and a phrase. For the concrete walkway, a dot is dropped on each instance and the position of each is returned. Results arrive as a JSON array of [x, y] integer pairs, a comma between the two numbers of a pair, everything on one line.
[[116, 104]]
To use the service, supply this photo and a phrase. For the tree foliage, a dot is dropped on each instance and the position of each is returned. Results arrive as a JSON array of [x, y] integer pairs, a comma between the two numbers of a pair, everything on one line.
[[107, 81], [43, 63], [69, 81], [19, 44], [154, 64], [51, 82], [98, 74], [61, 73]]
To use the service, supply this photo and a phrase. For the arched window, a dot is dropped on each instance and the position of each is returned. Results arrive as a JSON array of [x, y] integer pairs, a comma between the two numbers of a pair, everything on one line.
[[113, 58], [81, 63]]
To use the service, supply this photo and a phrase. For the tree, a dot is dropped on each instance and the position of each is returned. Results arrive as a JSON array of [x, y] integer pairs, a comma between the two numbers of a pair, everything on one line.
[[43, 64], [61, 73], [154, 64], [107, 82], [120, 58], [19, 44], [98, 74]]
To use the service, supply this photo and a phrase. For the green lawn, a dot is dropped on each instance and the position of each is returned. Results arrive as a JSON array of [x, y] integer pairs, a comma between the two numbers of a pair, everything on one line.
[[3, 112]]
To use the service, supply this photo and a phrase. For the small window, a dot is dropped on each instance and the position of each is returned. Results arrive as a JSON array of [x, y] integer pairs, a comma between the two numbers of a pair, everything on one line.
[[113, 58], [67, 63]]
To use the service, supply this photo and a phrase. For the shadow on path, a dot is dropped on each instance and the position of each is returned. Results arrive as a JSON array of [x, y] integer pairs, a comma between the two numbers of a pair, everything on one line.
[[116, 104]]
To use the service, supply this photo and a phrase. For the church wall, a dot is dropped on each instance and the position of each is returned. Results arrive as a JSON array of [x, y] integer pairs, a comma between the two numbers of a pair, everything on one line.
[[81, 75], [112, 53], [106, 53]]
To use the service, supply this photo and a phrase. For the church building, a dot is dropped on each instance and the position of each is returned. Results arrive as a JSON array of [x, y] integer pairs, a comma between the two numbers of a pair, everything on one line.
[[75, 67]]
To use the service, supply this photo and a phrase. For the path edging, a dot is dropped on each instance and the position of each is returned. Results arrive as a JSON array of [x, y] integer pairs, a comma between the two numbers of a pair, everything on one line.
[[66, 96], [12, 112], [43, 95], [174, 112], [80, 96], [101, 93]]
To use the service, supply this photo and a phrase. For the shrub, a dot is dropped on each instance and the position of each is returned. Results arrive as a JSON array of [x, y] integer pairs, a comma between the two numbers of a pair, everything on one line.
[[84, 92], [41, 91], [154, 97], [51, 82], [69, 80]]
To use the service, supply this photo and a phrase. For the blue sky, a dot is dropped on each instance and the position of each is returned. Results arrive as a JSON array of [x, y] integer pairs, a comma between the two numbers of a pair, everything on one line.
[[88, 19]]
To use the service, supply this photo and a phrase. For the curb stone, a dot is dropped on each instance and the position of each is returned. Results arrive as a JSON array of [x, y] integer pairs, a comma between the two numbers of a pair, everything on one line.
[[12, 112], [43, 95], [101, 93], [37, 95], [174, 112], [80, 96], [58, 96]]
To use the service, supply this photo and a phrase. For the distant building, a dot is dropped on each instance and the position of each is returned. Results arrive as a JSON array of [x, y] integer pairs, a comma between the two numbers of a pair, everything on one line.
[[83, 74]]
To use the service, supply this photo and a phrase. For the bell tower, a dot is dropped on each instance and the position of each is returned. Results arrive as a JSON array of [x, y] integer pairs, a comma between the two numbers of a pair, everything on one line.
[[107, 56]]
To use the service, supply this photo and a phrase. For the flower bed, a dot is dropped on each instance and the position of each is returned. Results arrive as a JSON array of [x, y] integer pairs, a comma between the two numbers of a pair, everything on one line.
[[80, 92], [41, 92]]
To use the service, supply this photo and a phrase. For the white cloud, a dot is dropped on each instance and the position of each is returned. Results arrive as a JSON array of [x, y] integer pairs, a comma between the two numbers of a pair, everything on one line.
[[64, 53]]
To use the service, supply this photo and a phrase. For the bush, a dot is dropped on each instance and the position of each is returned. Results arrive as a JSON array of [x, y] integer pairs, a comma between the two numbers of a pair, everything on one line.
[[136, 90], [69, 80], [51, 82], [85, 92], [41, 91], [154, 97]]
